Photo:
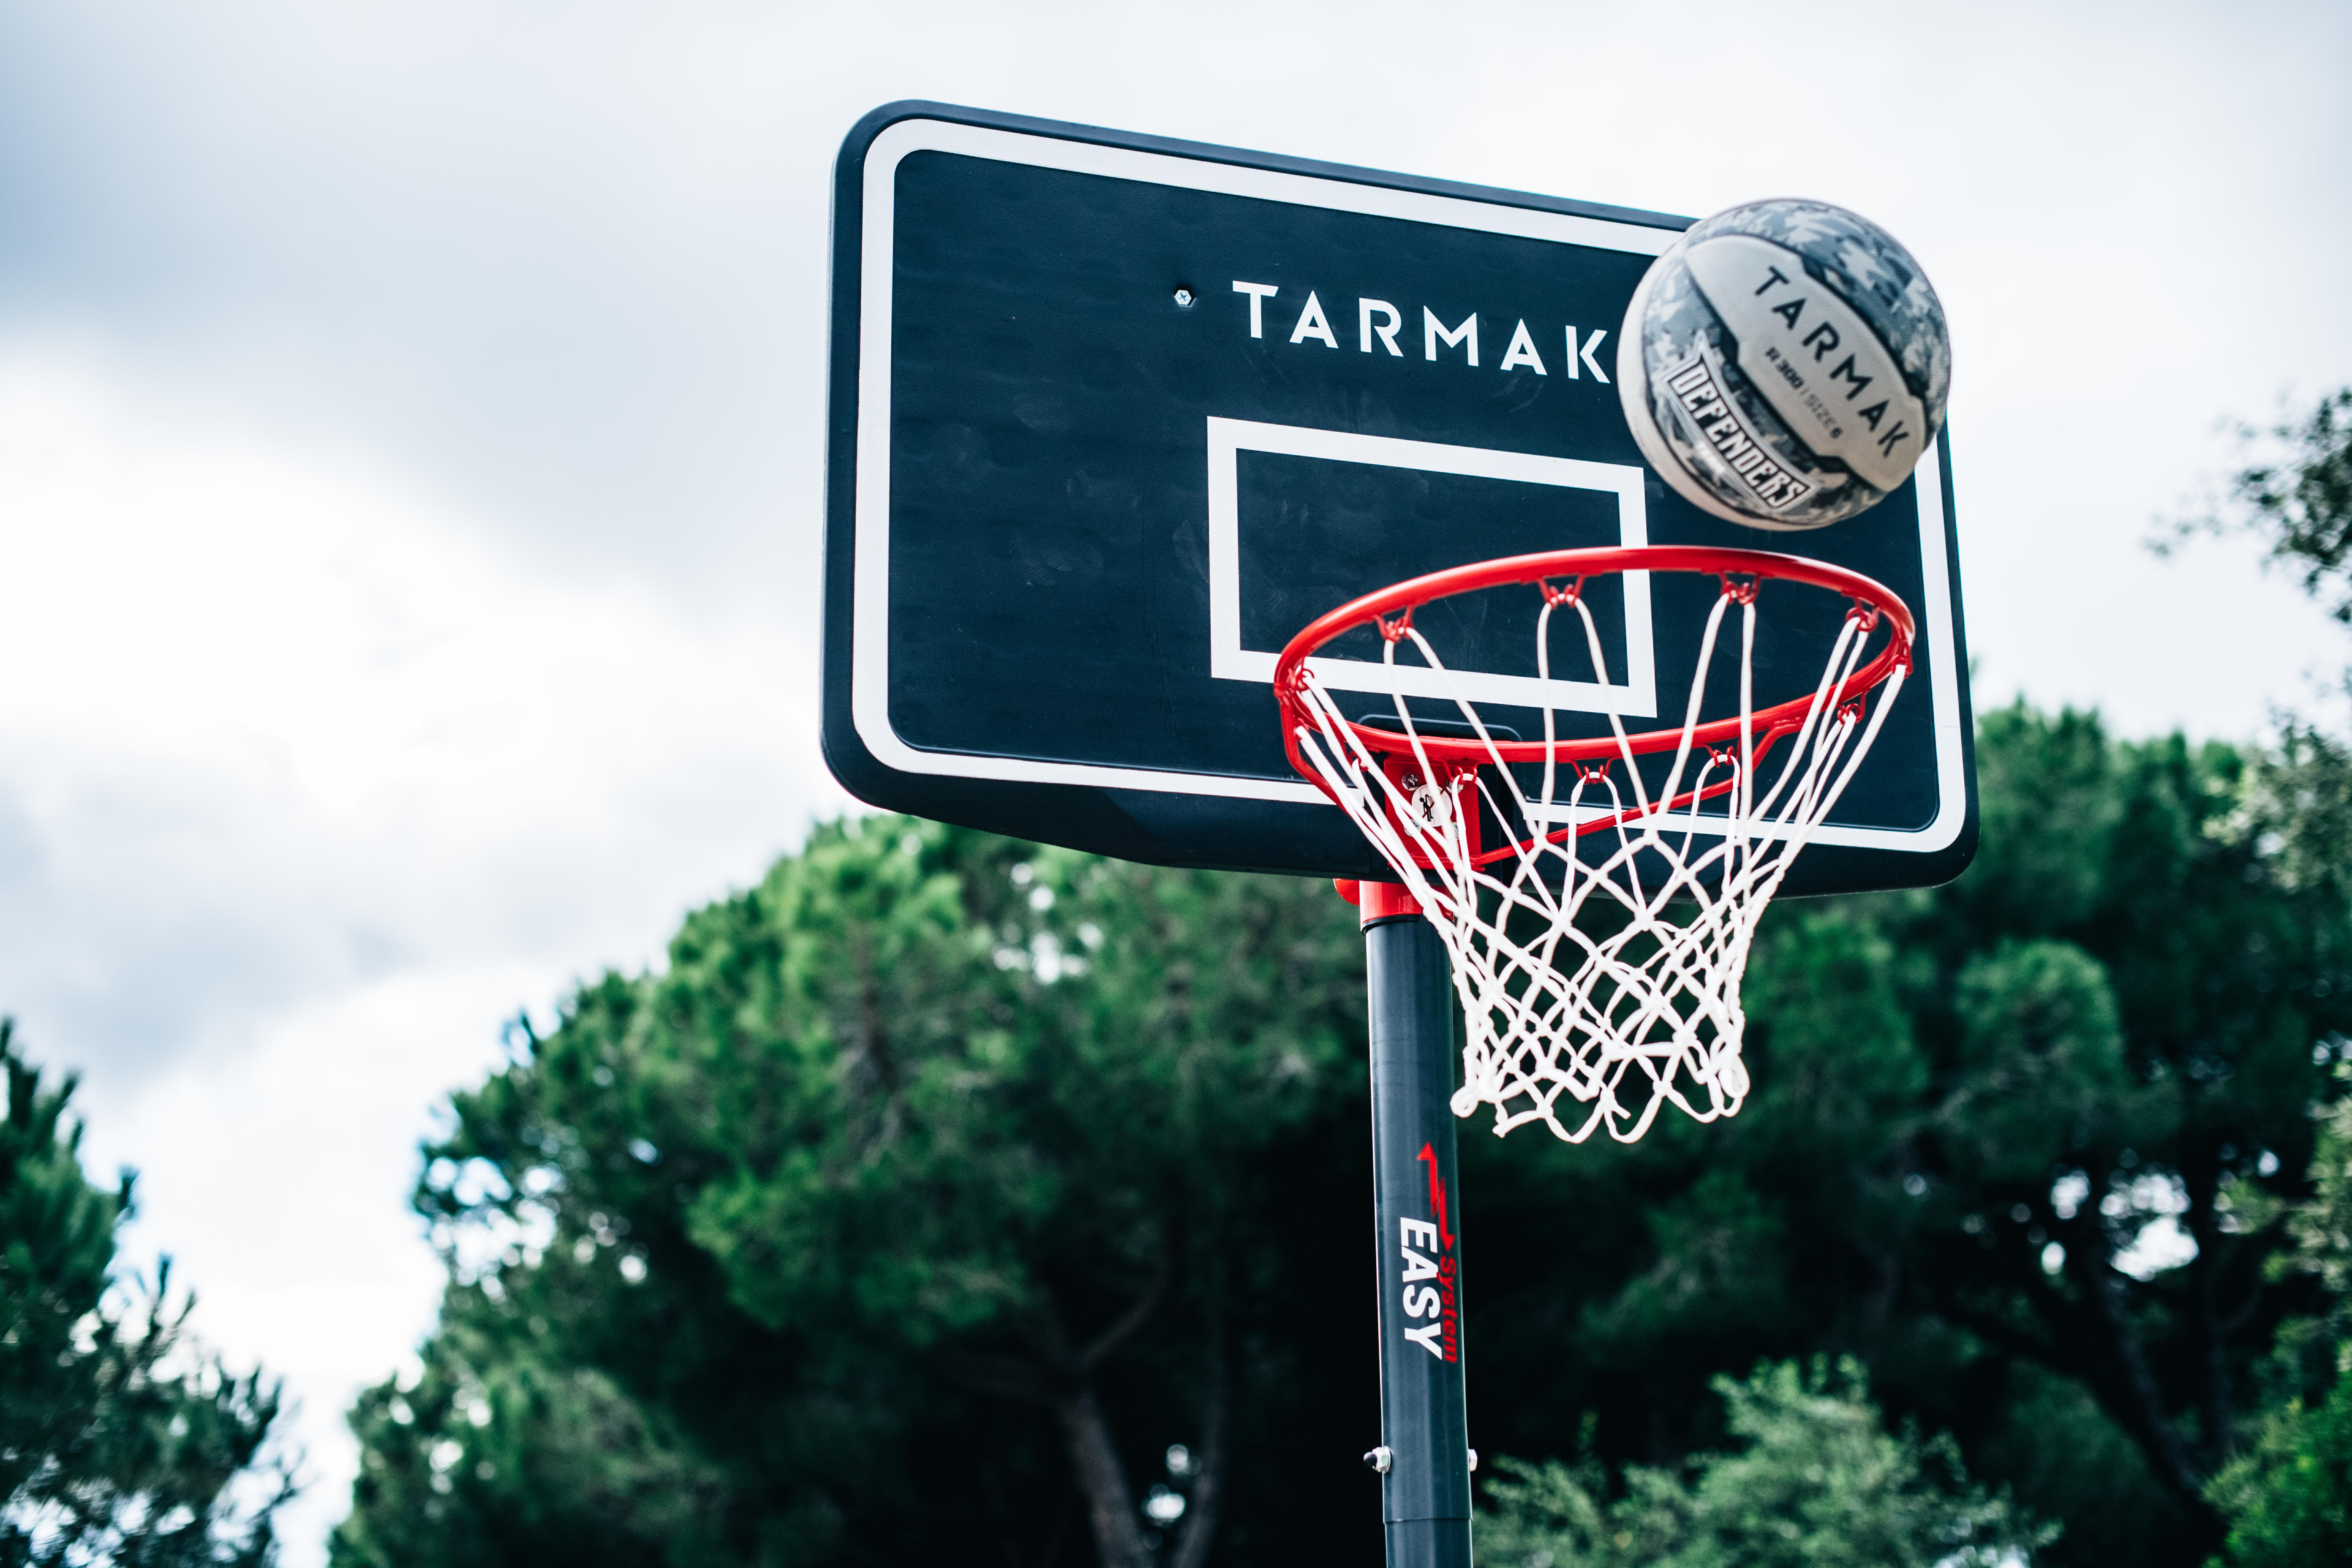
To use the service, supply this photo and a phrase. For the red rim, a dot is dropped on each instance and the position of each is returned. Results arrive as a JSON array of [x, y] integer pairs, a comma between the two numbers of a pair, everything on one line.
[[1742, 569]]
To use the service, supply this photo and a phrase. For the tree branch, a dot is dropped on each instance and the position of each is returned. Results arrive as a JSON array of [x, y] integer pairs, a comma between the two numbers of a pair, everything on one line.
[[1208, 1489], [1004, 1376], [1129, 1323], [2142, 1410], [2204, 1290], [1062, 1379], [2014, 1341], [2260, 1245], [1102, 1481]]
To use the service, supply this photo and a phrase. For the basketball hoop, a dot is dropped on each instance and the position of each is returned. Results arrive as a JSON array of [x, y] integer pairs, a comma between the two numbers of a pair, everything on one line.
[[1597, 946]]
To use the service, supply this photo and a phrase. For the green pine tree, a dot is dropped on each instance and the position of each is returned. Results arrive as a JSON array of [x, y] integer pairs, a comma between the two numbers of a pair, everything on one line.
[[2010, 1144], [1814, 1481], [2294, 494], [2289, 1496], [939, 1185], [119, 1441]]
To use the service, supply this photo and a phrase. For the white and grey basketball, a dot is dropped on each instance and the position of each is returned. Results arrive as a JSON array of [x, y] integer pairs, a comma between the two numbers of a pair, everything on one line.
[[1785, 364]]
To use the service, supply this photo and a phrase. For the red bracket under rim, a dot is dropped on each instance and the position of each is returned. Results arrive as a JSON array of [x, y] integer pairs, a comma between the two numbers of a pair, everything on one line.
[[1378, 901]]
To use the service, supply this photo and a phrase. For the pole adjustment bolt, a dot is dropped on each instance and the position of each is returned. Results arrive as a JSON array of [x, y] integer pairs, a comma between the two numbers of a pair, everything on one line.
[[1380, 1458]]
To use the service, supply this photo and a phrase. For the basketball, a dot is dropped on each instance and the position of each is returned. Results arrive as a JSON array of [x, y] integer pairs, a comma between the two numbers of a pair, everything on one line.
[[1784, 365]]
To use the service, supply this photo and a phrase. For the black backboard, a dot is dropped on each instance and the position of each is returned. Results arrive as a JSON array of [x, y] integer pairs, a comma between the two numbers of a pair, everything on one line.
[[1113, 416]]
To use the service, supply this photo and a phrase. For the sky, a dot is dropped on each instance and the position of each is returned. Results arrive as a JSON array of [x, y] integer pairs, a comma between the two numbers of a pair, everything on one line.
[[411, 471]]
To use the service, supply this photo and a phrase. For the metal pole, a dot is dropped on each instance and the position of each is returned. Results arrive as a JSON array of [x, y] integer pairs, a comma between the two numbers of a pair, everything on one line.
[[1424, 1453]]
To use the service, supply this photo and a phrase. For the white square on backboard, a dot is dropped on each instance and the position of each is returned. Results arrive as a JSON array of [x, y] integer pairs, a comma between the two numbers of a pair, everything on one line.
[[1637, 697]]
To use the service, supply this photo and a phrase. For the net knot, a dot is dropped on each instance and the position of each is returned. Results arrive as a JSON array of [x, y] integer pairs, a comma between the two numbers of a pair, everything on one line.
[[1740, 586], [1867, 615], [1566, 594], [1394, 631]]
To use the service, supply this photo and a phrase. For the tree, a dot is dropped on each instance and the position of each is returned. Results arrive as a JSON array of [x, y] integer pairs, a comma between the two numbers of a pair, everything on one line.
[[2018, 1143], [941, 1183], [2296, 497], [2290, 1498], [868, 1230], [1816, 1482], [119, 1441], [2147, 1054]]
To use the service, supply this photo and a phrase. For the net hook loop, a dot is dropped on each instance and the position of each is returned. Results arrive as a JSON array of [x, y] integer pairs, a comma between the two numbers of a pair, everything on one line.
[[1740, 586], [1570, 590], [1394, 631]]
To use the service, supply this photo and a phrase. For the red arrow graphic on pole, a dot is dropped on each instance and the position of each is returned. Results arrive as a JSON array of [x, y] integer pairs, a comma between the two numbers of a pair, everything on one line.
[[1437, 1196]]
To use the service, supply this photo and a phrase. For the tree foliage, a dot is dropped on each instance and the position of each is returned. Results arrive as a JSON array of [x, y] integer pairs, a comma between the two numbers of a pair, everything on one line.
[[2021, 1143], [119, 1441], [939, 1184], [2295, 495], [2289, 1499], [1816, 1482], [2288, 1496]]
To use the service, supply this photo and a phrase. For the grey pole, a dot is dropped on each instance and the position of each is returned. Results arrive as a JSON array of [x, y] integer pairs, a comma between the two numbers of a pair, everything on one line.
[[1425, 1440]]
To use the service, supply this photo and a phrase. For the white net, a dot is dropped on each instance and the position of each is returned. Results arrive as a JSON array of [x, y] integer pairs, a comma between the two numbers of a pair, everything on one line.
[[1610, 976]]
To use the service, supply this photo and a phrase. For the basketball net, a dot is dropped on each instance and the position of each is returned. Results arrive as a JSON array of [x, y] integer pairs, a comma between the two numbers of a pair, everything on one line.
[[1598, 950]]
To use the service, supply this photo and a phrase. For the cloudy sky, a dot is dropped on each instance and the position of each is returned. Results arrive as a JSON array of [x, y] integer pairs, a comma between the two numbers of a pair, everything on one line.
[[410, 469]]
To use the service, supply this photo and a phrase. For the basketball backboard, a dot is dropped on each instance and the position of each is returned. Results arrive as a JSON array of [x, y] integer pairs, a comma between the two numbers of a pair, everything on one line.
[[1113, 417]]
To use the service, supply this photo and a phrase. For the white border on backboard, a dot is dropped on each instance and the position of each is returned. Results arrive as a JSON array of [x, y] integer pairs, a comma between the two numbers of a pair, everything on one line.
[[1228, 660], [870, 590]]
